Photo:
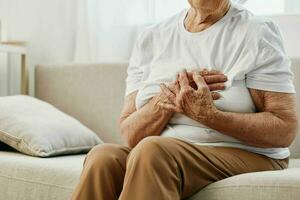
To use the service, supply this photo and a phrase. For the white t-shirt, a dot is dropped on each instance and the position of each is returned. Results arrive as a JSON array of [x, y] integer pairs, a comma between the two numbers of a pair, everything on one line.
[[248, 49]]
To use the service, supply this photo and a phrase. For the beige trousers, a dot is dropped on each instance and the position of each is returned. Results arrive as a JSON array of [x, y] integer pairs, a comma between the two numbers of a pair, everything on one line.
[[162, 168]]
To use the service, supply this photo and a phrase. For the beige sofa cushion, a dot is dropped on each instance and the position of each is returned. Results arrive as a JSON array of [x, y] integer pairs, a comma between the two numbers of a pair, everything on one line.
[[272, 185], [37, 128], [26, 178]]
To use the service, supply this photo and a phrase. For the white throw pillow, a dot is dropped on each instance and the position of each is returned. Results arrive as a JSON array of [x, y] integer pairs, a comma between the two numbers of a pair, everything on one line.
[[37, 128]]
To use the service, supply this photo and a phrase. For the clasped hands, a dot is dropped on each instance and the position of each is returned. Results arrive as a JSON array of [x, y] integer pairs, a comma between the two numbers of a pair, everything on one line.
[[192, 93]]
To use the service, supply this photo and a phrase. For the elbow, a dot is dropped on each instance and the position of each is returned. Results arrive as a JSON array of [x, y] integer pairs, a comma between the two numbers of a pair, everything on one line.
[[288, 135], [283, 137], [291, 134], [286, 143]]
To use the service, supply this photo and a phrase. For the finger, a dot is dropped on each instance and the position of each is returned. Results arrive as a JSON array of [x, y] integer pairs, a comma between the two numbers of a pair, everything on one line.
[[183, 79], [177, 88], [214, 72], [210, 73], [204, 72], [191, 81], [170, 95], [165, 89], [220, 78], [190, 75], [216, 86], [199, 80], [172, 88], [215, 95]]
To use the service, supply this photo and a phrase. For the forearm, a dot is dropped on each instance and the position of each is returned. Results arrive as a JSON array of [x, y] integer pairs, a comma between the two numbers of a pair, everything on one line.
[[274, 125], [150, 120], [262, 129]]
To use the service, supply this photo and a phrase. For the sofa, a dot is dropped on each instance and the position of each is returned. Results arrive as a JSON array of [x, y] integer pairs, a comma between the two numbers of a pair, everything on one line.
[[93, 94]]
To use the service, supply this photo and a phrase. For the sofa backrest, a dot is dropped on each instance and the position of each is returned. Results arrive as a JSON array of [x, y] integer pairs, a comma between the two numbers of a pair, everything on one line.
[[295, 148], [94, 94]]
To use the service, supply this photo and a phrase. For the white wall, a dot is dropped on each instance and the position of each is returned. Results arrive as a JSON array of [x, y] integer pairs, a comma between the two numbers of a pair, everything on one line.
[[47, 25], [290, 27]]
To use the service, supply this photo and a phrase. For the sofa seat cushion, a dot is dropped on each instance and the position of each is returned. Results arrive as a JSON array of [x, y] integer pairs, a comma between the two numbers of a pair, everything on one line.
[[271, 185], [24, 177], [294, 163]]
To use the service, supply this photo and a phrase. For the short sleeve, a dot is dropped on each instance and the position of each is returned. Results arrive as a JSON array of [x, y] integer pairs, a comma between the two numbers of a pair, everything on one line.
[[272, 70], [138, 62]]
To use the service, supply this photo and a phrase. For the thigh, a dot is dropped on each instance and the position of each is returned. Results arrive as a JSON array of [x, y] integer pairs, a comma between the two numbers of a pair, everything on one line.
[[199, 165], [107, 155], [103, 173]]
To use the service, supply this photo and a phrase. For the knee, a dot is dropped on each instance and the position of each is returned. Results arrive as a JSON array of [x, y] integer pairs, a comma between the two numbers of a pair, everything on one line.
[[103, 156], [151, 151]]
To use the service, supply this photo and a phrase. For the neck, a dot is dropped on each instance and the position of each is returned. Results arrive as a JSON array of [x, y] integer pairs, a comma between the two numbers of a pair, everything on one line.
[[199, 18]]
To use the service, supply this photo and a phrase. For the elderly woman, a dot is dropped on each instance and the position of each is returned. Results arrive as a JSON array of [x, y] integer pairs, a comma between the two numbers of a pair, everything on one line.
[[187, 124]]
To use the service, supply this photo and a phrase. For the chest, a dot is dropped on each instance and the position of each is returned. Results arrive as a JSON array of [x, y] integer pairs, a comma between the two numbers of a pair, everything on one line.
[[224, 52]]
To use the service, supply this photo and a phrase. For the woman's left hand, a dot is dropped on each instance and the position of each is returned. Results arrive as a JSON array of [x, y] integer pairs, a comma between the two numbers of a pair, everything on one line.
[[195, 103]]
